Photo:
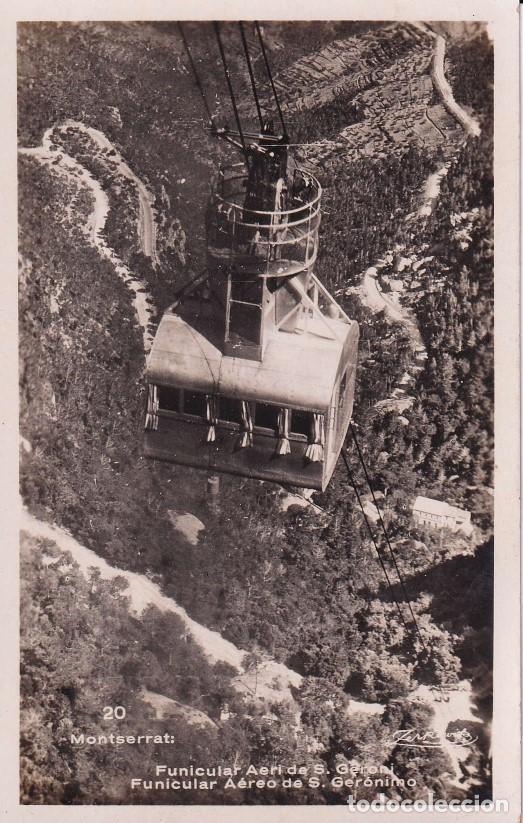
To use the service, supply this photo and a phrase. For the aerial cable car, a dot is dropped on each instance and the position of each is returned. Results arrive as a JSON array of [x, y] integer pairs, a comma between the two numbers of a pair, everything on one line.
[[253, 367]]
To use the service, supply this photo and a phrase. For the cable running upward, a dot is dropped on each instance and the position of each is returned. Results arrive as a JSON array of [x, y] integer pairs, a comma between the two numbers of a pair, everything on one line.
[[229, 84], [382, 564], [269, 75], [251, 73], [384, 530], [195, 73]]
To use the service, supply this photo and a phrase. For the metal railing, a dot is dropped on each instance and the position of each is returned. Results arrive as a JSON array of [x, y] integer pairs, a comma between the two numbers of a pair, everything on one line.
[[275, 242]]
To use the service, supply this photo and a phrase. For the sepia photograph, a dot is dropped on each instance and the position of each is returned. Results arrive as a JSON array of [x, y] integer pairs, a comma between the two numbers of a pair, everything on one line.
[[256, 371]]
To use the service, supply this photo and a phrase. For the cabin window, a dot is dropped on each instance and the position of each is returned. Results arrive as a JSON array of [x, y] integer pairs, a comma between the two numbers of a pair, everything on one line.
[[181, 401], [266, 416], [230, 410], [342, 391], [170, 399], [301, 422], [343, 388], [194, 403]]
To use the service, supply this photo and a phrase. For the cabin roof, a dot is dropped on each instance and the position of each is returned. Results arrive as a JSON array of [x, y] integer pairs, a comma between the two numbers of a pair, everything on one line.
[[297, 370]]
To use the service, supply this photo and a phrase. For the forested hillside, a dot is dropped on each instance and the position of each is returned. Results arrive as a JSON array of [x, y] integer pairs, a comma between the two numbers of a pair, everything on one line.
[[303, 585]]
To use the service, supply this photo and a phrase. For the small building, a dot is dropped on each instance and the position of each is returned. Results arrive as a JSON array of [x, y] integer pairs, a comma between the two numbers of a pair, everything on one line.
[[439, 515]]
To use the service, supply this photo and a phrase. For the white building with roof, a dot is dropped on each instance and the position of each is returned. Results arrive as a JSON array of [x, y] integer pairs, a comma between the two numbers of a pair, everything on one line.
[[438, 514]]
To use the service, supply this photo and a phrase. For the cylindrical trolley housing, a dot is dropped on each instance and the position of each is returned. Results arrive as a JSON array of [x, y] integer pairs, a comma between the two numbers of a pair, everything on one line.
[[276, 243], [252, 253]]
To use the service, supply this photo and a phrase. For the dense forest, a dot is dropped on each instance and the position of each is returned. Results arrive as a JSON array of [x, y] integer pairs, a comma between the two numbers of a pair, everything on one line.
[[81, 650], [301, 586]]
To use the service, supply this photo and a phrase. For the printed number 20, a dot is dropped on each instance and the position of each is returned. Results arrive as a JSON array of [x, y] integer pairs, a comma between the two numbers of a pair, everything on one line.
[[114, 712]]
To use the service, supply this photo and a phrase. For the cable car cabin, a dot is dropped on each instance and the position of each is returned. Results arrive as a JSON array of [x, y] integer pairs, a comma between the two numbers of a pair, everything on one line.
[[254, 373]]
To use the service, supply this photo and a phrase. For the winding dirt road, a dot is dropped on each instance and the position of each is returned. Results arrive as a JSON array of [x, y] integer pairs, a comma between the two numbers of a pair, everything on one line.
[[442, 86], [52, 156], [431, 190], [458, 706], [146, 217], [378, 301], [270, 681], [141, 591]]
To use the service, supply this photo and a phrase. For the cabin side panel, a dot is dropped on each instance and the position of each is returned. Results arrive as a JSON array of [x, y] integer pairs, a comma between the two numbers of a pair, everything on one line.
[[182, 441]]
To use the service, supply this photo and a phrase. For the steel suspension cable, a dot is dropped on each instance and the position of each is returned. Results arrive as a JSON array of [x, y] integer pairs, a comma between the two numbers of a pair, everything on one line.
[[382, 564], [229, 84], [269, 74], [442, 689], [251, 73], [384, 530], [195, 73]]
